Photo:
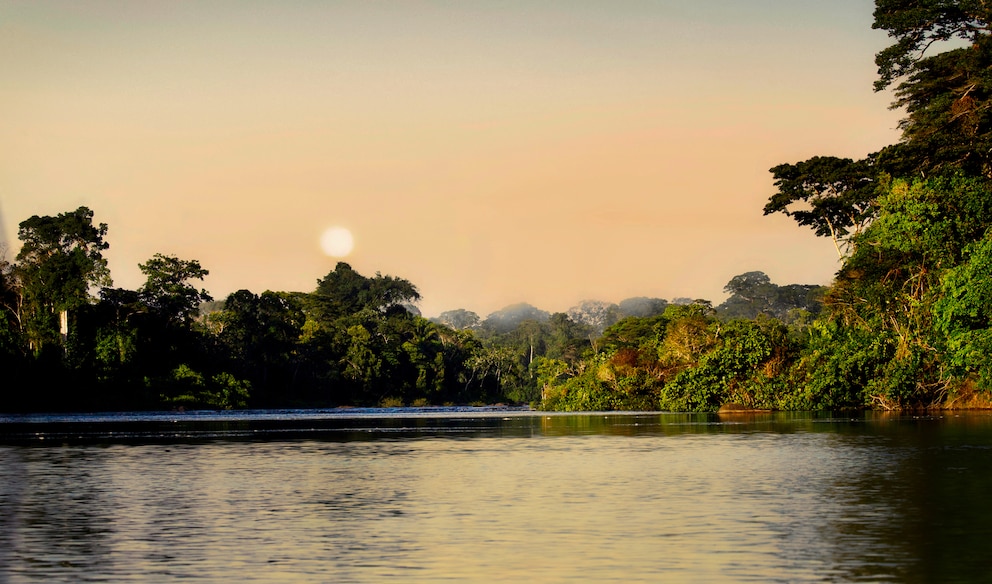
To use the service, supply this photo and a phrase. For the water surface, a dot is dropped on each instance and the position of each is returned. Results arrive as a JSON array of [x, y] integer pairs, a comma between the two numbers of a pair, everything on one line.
[[495, 495]]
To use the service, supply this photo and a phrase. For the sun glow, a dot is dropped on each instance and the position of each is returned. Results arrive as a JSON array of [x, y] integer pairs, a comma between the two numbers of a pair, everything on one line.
[[337, 241]]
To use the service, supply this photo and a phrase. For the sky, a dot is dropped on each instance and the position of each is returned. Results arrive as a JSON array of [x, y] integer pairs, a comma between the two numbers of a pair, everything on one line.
[[489, 151]]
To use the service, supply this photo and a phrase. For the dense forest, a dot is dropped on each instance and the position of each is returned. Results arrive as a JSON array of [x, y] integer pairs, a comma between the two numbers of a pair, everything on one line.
[[905, 323], [353, 340]]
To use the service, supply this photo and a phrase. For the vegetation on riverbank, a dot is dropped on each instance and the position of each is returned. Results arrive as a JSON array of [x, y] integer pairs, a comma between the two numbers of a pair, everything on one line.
[[907, 323]]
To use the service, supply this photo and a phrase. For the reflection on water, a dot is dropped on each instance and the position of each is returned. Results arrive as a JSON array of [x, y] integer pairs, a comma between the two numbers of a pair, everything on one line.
[[632, 498]]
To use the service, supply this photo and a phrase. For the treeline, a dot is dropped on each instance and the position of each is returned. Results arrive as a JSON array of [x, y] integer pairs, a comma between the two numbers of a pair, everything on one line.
[[71, 341], [907, 322], [602, 356], [351, 341]]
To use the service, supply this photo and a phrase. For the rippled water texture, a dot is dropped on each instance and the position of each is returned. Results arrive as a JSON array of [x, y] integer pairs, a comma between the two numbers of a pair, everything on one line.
[[522, 497]]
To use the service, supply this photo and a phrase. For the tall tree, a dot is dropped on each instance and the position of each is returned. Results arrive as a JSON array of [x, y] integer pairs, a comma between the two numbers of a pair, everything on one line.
[[749, 286], [753, 293], [596, 314], [831, 195], [917, 25], [946, 89], [458, 319], [167, 290], [347, 292], [60, 261]]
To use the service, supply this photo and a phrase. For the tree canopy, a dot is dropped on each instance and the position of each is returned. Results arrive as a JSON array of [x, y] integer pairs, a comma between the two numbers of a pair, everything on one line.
[[831, 195], [60, 261], [941, 65], [918, 25], [348, 291], [167, 290]]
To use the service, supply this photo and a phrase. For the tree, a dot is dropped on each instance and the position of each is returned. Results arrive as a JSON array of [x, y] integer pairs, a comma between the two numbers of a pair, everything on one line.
[[642, 306], [60, 261], [167, 291], [568, 339], [507, 318], [729, 370], [635, 332], [492, 369], [797, 302], [946, 89], [963, 315], [917, 25], [753, 294], [116, 334], [345, 291], [261, 335], [596, 314], [749, 285], [831, 195], [458, 319], [891, 286], [688, 335], [10, 302]]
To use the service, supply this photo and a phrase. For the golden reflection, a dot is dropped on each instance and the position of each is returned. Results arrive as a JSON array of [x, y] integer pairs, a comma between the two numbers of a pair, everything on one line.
[[597, 497]]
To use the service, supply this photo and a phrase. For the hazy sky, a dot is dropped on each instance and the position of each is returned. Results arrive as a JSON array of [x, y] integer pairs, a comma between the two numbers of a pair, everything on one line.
[[489, 151]]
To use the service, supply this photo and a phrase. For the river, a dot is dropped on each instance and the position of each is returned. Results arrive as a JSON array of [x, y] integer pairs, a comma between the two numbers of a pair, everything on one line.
[[489, 495]]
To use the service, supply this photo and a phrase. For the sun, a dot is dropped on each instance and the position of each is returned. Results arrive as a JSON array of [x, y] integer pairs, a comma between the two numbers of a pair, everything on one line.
[[337, 241]]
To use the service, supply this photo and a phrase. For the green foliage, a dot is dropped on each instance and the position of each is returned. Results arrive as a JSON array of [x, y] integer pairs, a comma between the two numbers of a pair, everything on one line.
[[964, 314], [922, 229], [749, 285], [908, 316], [836, 367], [167, 291], [690, 331], [551, 372], [887, 290], [732, 371], [684, 360], [363, 362], [229, 392], [507, 367], [11, 344], [642, 333], [495, 367], [187, 389], [116, 348], [753, 294], [567, 339], [60, 259], [601, 384]]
